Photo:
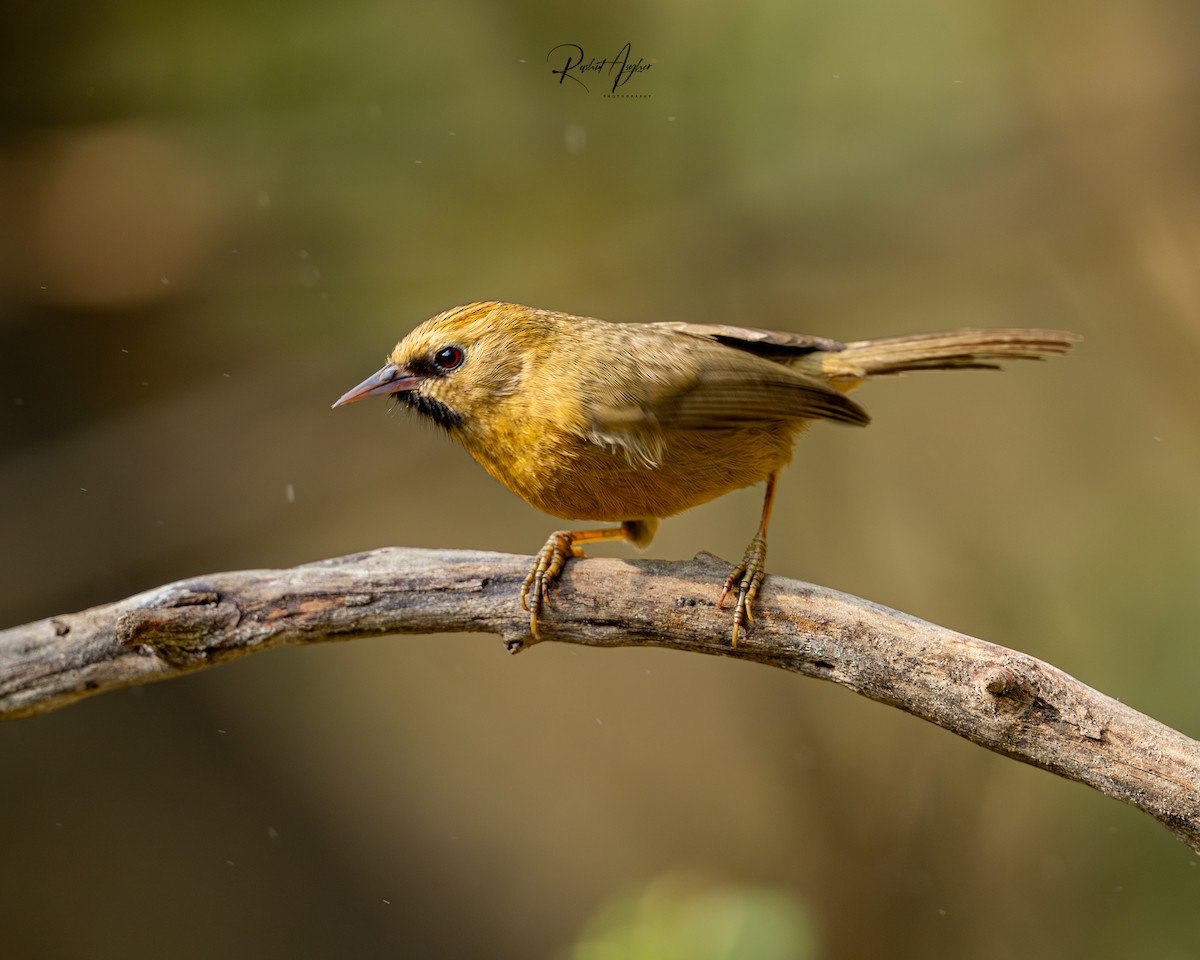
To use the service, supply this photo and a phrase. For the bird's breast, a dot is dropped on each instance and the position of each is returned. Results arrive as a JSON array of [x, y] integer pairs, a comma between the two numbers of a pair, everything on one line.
[[568, 475]]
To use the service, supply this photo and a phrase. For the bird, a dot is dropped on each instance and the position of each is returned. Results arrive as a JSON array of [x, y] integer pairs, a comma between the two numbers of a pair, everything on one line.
[[630, 423]]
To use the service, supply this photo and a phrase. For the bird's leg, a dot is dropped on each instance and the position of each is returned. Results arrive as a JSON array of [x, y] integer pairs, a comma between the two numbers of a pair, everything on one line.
[[748, 575], [562, 545]]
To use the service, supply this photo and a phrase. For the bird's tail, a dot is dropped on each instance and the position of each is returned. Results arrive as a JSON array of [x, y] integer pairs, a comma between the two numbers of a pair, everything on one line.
[[978, 349]]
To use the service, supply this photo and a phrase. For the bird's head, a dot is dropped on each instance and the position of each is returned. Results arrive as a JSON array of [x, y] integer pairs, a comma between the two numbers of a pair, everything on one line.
[[457, 366]]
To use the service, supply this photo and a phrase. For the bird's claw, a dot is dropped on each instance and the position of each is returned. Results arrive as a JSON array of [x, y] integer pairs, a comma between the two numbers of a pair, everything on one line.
[[547, 567], [747, 576]]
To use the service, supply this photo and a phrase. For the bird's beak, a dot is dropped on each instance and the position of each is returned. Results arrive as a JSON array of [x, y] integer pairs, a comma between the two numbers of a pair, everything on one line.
[[391, 379]]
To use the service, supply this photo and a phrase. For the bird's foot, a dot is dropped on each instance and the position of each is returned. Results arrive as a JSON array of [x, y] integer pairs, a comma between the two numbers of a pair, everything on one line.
[[546, 569], [747, 576]]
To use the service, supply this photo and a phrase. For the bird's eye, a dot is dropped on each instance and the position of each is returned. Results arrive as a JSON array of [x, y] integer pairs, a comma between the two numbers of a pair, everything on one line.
[[448, 358]]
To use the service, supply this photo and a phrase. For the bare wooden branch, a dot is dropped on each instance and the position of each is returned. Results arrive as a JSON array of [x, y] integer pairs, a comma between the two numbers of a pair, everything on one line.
[[1001, 699]]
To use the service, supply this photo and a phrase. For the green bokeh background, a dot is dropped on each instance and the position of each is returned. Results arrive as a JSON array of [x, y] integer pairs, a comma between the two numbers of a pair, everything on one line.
[[216, 217]]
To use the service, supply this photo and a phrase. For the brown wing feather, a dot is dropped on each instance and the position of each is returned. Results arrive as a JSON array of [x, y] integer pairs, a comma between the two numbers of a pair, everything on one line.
[[740, 394], [660, 389], [764, 343]]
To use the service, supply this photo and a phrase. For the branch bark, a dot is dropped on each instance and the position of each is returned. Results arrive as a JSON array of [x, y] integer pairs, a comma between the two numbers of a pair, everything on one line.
[[1001, 699]]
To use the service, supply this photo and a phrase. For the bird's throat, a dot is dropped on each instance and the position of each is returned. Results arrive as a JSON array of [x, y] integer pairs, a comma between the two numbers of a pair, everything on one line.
[[435, 410]]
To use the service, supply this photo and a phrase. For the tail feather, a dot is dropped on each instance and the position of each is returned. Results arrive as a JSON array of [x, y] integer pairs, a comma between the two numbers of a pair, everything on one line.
[[959, 349]]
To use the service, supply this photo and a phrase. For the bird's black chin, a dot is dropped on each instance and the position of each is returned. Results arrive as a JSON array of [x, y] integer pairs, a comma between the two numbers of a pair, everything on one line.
[[435, 410]]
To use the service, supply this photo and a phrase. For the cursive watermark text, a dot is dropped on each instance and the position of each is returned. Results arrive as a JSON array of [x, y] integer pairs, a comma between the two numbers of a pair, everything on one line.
[[578, 67]]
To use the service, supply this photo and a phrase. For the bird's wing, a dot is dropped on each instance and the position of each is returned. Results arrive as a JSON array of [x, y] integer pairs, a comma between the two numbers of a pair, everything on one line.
[[772, 344], [657, 389], [737, 392]]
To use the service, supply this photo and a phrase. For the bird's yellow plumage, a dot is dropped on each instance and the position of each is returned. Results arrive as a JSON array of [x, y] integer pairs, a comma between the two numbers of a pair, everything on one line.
[[590, 420]]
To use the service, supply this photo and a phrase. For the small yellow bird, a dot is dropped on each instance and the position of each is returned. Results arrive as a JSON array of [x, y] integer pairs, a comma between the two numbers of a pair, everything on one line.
[[590, 420]]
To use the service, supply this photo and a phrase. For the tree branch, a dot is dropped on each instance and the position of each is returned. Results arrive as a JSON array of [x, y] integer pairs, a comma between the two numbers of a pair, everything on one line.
[[1001, 699]]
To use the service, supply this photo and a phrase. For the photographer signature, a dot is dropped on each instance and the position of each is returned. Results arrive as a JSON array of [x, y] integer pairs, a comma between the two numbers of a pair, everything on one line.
[[619, 68]]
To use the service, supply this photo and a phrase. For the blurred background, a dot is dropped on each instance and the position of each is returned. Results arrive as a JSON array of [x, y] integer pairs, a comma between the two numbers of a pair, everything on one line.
[[216, 217]]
